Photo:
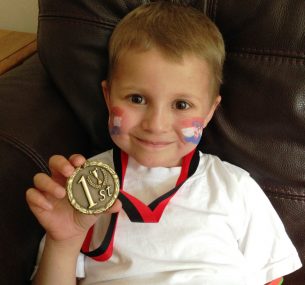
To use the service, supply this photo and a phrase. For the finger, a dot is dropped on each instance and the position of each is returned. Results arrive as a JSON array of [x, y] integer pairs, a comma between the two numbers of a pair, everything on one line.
[[36, 199], [47, 185], [115, 208], [77, 160], [60, 165]]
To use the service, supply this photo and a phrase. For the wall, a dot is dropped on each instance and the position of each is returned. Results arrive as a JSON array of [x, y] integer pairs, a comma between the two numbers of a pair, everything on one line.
[[19, 15]]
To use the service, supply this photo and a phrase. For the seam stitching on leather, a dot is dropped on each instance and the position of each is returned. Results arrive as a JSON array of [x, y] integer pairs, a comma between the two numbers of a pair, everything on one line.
[[282, 191], [27, 150], [298, 199], [215, 10], [98, 23], [209, 8], [59, 14], [270, 58], [282, 52]]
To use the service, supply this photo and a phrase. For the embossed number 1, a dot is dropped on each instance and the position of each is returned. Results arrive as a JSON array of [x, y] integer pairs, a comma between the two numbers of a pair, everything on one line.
[[87, 192]]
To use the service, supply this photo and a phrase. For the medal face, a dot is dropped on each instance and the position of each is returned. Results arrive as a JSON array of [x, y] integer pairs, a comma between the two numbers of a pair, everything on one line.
[[93, 187]]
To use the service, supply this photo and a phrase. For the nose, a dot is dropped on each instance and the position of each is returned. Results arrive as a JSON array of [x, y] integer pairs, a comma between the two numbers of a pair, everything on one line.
[[156, 120]]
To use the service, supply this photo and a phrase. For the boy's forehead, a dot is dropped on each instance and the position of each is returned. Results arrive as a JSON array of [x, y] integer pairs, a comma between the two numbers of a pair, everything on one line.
[[165, 54], [134, 54]]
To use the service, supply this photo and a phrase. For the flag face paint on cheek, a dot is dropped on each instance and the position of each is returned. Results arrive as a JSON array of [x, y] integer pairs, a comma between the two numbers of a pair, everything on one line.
[[115, 122], [191, 130]]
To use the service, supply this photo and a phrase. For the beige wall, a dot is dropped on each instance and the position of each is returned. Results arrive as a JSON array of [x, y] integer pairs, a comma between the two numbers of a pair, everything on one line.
[[19, 15]]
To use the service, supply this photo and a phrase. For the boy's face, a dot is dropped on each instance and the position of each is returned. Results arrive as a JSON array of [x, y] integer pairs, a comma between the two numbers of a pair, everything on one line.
[[158, 108]]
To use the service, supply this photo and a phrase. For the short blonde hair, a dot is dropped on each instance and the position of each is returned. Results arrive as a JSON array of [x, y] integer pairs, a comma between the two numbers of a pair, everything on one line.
[[175, 30]]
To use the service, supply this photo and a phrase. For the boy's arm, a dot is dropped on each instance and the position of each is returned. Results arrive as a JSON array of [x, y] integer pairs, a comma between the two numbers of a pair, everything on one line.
[[58, 262], [65, 227]]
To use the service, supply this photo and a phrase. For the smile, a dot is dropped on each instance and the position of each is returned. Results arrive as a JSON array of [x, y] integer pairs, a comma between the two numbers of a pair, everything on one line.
[[152, 143]]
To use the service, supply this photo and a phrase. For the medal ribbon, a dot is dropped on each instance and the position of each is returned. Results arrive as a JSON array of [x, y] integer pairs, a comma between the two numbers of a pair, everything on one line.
[[136, 210]]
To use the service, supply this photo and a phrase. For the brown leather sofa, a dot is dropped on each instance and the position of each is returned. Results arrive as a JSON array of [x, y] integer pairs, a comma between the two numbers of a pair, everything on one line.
[[52, 103]]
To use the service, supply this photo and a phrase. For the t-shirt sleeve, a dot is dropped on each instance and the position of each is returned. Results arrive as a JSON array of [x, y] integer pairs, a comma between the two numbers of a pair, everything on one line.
[[264, 242]]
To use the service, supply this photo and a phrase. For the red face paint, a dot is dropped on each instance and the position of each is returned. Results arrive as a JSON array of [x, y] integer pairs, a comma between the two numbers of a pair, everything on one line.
[[115, 122]]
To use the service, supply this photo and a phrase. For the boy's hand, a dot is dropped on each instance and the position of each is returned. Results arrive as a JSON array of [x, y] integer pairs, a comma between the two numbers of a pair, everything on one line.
[[48, 201]]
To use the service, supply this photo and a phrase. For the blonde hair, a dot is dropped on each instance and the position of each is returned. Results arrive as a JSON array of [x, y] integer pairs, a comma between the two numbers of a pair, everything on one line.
[[173, 29]]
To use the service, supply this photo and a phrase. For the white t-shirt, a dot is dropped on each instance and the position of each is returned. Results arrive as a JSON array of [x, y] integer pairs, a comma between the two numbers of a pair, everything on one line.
[[218, 229]]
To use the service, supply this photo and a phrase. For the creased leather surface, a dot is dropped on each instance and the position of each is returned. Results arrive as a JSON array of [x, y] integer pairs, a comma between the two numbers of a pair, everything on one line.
[[261, 123], [35, 123]]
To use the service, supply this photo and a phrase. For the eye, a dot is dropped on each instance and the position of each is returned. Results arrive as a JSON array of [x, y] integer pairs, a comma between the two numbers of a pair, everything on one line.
[[181, 105], [137, 99]]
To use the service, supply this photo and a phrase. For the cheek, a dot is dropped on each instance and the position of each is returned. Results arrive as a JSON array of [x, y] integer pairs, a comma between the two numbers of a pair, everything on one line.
[[191, 130]]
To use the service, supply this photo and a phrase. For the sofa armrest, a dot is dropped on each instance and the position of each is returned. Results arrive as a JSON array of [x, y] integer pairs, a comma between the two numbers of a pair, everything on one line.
[[35, 122]]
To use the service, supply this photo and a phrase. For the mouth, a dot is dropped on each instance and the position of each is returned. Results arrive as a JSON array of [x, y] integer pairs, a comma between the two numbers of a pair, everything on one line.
[[153, 143]]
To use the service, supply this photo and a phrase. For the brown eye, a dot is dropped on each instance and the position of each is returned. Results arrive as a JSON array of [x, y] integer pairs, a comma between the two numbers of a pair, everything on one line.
[[181, 105], [137, 99]]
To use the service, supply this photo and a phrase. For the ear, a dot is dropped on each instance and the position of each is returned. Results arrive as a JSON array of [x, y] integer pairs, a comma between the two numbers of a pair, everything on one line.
[[212, 110], [106, 93]]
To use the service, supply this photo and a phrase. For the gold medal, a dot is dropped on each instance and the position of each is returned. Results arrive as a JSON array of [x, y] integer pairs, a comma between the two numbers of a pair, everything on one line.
[[93, 187]]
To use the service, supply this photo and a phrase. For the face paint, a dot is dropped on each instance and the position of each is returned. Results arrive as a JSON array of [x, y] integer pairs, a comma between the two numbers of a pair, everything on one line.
[[115, 122], [192, 130]]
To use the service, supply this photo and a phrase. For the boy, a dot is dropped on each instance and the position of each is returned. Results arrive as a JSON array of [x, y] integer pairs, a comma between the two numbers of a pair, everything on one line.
[[187, 217]]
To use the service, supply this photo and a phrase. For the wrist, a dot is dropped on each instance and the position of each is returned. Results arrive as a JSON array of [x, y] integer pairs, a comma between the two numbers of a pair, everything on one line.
[[68, 246], [58, 262]]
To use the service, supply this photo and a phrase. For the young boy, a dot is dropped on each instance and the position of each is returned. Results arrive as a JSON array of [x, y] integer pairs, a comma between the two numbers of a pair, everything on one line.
[[187, 217]]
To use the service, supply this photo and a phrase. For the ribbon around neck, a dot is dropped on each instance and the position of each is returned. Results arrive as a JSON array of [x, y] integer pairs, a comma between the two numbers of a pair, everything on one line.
[[135, 209]]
